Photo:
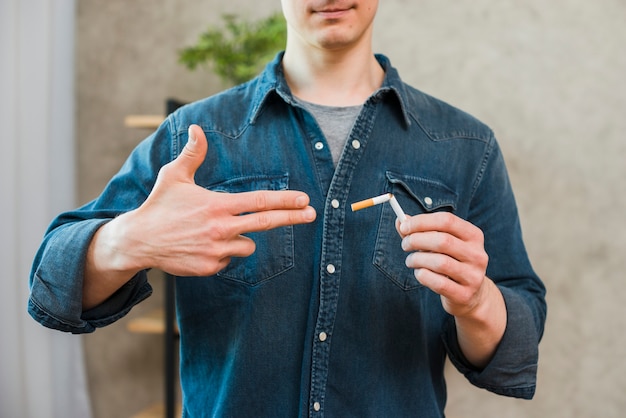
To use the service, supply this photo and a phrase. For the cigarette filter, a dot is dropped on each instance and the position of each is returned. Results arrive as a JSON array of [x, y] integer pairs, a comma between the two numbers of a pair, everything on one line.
[[371, 202]]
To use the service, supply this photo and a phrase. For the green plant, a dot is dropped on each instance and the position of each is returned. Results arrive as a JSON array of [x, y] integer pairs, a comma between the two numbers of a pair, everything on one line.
[[237, 51]]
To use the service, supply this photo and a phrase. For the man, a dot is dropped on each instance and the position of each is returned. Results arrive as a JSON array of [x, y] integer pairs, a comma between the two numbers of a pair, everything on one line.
[[316, 310]]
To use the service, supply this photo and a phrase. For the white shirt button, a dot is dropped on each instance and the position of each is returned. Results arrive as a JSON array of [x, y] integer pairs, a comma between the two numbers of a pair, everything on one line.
[[323, 336], [317, 406], [330, 268], [428, 201], [335, 203], [356, 144], [319, 146]]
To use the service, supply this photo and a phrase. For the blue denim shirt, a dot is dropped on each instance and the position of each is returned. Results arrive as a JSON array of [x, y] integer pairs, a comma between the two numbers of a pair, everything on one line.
[[323, 319]]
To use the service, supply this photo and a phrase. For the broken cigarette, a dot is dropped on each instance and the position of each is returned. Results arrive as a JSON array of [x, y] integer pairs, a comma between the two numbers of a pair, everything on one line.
[[387, 197]]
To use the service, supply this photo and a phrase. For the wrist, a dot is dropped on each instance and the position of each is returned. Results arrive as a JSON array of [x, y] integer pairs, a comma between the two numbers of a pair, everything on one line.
[[109, 263], [113, 249], [481, 329]]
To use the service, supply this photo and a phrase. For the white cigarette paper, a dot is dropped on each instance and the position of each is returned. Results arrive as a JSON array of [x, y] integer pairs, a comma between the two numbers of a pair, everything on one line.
[[397, 209]]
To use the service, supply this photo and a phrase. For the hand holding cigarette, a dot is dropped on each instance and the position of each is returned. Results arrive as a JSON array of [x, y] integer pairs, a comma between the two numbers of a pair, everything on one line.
[[447, 255]]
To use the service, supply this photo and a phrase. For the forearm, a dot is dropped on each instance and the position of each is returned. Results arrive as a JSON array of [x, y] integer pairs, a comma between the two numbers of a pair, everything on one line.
[[481, 330], [108, 264]]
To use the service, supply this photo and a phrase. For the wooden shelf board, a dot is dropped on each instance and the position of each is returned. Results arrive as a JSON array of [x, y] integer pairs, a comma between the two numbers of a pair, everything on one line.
[[143, 121], [150, 323], [156, 411]]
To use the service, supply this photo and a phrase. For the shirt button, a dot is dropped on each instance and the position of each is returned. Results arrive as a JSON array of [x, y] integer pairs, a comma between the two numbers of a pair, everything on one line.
[[323, 336], [319, 145], [330, 268], [317, 406], [428, 201], [335, 203], [356, 144]]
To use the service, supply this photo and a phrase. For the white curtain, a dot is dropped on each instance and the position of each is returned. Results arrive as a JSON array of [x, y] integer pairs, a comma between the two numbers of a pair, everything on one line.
[[41, 371]]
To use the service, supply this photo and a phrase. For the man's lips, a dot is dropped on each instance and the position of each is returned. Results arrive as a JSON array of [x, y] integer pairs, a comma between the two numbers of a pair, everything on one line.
[[332, 13]]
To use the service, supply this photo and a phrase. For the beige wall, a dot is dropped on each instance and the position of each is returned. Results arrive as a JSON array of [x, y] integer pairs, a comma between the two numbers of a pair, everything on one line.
[[546, 76]]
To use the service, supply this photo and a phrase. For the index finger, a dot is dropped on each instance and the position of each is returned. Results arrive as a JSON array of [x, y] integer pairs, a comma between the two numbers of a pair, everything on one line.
[[270, 219], [441, 222]]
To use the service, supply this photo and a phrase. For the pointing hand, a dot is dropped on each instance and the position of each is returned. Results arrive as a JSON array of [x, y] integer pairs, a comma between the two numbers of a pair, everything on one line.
[[185, 229]]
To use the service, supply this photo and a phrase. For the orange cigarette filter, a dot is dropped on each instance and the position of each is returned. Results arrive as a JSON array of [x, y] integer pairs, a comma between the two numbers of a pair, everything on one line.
[[371, 202]]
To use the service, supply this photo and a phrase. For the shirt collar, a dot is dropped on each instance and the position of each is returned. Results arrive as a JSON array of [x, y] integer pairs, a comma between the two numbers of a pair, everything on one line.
[[272, 81]]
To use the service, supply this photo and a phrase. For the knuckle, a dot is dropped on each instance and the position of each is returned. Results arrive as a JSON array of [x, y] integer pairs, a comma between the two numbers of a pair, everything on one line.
[[478, 235], [294, 217], [218, 253], [217, 266], [441, 285], [483, 258], [207, 266], [446, 242], [445, 265], [261, 201], [217, 232], [264, 221], [449, 220]]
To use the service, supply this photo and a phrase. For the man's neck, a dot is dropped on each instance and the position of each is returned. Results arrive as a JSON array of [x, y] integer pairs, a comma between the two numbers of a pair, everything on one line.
[[332, 78]]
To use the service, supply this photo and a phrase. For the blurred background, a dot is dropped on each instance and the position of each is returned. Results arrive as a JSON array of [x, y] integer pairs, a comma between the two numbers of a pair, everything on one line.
[[546, 76]]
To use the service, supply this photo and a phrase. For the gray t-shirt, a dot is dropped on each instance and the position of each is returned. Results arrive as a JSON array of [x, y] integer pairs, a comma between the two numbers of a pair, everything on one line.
[[336, 123]]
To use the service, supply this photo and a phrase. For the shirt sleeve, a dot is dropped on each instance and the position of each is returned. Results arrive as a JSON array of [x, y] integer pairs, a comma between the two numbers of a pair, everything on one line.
[[57, 274], [57, 281], [513, 369]]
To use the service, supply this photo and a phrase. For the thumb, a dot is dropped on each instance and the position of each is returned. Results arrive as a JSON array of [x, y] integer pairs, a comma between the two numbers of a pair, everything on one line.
[[193, 153]]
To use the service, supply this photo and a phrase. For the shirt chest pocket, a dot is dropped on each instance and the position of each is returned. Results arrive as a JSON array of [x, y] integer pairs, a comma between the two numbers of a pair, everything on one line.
[[274, 248], [416, 195]]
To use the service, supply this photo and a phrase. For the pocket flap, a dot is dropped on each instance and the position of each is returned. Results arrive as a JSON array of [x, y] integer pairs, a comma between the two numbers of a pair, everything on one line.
[[431, 194]]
